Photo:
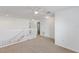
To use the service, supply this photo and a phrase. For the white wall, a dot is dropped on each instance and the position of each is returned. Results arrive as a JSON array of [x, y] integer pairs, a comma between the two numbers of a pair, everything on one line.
[[52, 27], [67, 28], [47, 27]]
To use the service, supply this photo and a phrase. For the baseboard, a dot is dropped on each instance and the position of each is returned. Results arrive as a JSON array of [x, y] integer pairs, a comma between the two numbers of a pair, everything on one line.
[[59, 45], [67, 48]]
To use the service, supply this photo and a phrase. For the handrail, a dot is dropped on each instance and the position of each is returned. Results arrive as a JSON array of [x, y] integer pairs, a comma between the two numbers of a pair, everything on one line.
[[14, 39], [18, 38]]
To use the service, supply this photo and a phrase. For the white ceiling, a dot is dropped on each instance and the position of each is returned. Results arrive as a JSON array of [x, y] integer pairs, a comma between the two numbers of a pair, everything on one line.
[[27, 11]]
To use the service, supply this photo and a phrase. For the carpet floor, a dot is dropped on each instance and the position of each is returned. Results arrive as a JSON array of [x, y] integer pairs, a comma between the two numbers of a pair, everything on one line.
[[37, 45]]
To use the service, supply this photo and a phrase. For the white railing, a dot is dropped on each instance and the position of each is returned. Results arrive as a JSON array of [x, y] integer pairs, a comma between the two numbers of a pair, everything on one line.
[[16, 38], [21, 36]]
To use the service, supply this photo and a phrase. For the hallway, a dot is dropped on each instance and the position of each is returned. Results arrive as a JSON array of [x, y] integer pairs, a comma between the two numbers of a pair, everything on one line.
[[37, 45]]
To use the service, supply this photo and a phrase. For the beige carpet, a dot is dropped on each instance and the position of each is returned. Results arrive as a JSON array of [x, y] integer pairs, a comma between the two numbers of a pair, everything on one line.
[[38, 45]]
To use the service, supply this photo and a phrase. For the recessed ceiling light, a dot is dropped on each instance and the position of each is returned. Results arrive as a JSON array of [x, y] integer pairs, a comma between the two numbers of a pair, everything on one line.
[[36, 12]]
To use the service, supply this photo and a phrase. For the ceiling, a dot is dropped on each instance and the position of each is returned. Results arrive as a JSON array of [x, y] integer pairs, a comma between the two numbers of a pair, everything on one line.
[[28, 11]]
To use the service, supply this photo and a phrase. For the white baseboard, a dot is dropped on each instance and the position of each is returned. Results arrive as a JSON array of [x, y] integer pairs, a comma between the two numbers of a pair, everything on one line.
[[66, 48]]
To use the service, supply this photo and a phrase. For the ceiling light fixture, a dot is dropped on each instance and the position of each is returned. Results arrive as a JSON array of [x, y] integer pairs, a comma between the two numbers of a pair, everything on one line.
[[36, 12]]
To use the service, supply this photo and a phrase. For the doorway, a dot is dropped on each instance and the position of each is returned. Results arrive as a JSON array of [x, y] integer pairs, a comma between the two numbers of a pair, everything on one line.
[[38, 28]]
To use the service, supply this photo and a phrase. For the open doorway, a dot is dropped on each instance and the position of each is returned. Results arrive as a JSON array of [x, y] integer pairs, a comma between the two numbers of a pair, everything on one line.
[[38, 28]]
